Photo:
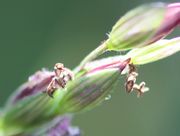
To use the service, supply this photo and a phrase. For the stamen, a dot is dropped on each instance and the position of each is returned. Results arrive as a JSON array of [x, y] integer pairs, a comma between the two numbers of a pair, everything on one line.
[[130, 83], [62, 76]]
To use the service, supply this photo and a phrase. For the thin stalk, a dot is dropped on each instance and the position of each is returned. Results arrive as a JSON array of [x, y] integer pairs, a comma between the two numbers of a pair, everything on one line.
[[1, 127], [92, 55]]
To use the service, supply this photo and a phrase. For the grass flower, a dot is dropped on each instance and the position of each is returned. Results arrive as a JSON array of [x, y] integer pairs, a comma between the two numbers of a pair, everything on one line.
[[143, 25], [139, 27], [45, 104]]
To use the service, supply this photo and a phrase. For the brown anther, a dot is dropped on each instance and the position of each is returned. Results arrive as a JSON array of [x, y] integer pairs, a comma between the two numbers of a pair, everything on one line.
[[132, 68], [58, 69], [62, 76], [59, 66], [51, 88], [131, 78], [129, 86], [130, 83], [140, 88]]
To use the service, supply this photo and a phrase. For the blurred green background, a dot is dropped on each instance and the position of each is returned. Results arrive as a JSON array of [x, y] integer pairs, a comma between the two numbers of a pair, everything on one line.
[[39, 33]]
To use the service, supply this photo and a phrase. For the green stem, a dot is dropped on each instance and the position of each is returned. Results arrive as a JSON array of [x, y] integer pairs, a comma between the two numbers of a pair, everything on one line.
[[92, 55], [1, 127]]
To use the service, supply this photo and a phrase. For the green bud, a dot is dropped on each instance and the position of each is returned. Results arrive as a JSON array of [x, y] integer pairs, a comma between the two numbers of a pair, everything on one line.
[[26, 114], [89, 91], [154, 52], [137, 28], [85, 92]]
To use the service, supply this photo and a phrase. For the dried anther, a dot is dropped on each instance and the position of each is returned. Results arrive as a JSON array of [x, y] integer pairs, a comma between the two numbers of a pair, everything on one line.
[[130, 83], [62, 76], [140, 88]]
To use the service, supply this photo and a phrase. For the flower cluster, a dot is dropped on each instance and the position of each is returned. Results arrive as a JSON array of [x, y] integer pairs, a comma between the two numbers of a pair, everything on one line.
[[139, 32]]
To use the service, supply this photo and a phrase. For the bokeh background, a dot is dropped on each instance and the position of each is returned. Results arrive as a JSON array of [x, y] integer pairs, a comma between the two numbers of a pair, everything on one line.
[[39, 33]]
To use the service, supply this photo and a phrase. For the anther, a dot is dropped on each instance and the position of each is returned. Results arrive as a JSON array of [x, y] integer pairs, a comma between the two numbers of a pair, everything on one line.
[[61, 77]]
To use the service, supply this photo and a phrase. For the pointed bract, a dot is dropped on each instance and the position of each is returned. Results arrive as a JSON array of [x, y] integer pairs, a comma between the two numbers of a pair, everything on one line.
[[156, 51], [143, 26]]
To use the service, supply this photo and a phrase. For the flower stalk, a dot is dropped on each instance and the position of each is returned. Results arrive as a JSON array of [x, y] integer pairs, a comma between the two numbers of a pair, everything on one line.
[[91, 56]]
